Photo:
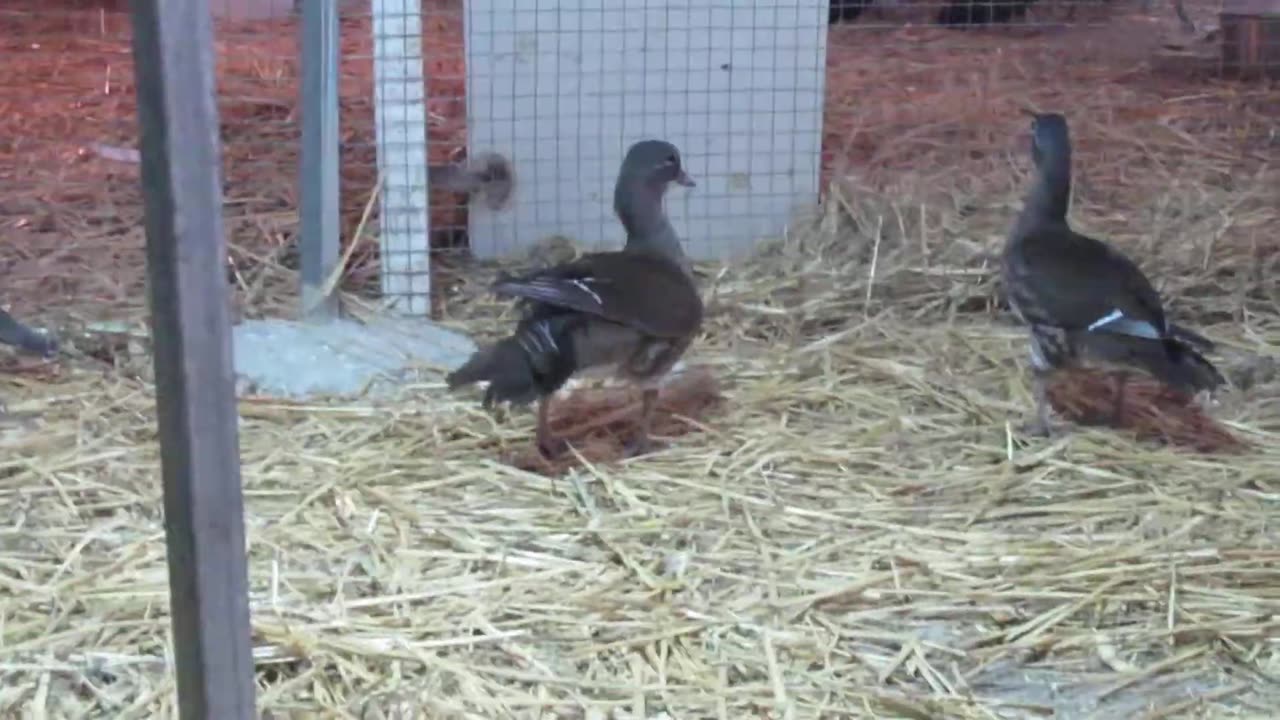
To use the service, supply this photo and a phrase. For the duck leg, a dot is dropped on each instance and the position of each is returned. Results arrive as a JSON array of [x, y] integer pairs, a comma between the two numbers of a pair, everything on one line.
[[641, 443], [1051, 350], [1117, 411], [549, 445], [1040, 425]]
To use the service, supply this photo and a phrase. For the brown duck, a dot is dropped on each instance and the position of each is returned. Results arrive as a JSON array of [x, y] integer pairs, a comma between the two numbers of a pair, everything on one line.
[[634, 311], [1083, 299]]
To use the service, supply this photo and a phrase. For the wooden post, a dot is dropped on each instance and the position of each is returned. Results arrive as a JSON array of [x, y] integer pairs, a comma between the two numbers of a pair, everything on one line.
[[190, 326], [1251, 37]]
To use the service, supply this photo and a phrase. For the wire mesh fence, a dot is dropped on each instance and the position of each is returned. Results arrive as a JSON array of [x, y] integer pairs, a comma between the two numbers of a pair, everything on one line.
[[771, 102], [566, 87]]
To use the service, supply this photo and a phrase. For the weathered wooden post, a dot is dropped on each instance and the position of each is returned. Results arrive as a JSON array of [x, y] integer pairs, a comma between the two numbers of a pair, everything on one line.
[[190, 325]]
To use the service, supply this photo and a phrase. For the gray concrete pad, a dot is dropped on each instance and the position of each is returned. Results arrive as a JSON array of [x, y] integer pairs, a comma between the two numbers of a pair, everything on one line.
[[292, 359]]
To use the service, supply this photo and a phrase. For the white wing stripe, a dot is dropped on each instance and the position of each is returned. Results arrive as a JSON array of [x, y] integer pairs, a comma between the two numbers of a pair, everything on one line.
[[581, 284], [1107, 319], [545, 332], [1116, 322]]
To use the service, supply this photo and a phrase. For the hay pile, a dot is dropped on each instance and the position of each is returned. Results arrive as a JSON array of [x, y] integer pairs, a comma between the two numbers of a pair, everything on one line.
[[851, 532], [854, 530]]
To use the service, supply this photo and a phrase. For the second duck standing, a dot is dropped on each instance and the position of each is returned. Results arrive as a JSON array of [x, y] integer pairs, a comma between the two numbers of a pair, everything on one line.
[[636, 310], [1081, 297]]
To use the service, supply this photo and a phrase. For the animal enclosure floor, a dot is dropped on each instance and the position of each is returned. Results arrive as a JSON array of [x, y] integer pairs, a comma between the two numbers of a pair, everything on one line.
[[855, 531]]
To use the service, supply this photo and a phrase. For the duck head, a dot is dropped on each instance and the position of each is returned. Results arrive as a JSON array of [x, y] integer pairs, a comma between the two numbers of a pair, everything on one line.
[[1050, 138], [654, 164]]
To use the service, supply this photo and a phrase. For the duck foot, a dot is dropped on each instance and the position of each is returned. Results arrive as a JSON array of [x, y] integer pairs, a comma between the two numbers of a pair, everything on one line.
[[549, 445], [641, 445], [1039, 425], [1039, 428], [1117, 410], [552, 448]]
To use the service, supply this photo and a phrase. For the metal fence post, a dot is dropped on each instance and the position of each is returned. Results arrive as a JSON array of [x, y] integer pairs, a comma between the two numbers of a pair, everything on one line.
[[318, 180]]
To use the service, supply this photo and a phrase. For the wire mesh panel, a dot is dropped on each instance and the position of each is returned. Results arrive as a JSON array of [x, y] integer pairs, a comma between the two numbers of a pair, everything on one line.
[[409, 127], [400, 106], [563, 87]]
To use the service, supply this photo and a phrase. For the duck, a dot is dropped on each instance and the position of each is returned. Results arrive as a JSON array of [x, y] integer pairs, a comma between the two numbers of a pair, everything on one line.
[[1082, 300], [846, 10], [22, 337], [633, 312], [489, 176], [982, 13]]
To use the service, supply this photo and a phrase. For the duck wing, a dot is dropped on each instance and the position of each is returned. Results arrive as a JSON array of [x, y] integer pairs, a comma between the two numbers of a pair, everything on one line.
[[645, 292], [1060, 278]]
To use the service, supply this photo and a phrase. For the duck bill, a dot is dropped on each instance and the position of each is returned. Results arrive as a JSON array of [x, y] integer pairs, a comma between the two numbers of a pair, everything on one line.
[[685, 180]]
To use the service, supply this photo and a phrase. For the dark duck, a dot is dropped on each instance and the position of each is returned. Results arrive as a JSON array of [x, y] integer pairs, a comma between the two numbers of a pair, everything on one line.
[[633, 311], [25, 338], [981, 13], [1083, 299], [846, 10]]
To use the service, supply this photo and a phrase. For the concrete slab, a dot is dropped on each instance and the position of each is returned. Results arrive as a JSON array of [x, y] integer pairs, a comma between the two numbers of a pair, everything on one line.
[[297, 360]]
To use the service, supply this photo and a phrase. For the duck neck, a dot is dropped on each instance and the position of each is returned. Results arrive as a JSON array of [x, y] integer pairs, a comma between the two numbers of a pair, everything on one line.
[[643, 217], [1050, 197]]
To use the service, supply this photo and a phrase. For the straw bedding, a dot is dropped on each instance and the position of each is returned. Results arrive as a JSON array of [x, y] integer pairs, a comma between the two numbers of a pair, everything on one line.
[[845, 523]]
